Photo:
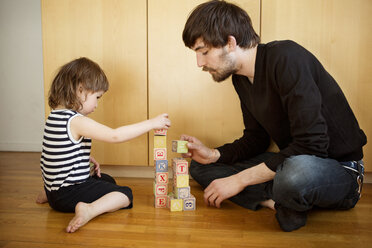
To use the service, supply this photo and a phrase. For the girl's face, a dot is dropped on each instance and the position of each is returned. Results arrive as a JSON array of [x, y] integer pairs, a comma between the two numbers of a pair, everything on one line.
[[89, 101]]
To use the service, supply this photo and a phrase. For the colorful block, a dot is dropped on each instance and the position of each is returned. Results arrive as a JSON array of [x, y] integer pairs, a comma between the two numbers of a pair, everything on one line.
[[160, 153], [161, 201], [161, 177], [181, 193], [180, 166], [180, 181], [160, 189], [160, 132], [160, 141], [161, 165], [176, 204], [189, 203], [179, 146]]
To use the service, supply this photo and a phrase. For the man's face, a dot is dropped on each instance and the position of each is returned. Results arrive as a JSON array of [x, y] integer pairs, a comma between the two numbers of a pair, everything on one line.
[[216, 61]]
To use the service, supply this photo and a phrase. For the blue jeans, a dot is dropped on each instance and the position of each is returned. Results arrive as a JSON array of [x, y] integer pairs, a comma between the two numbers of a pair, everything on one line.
[[300, 183]]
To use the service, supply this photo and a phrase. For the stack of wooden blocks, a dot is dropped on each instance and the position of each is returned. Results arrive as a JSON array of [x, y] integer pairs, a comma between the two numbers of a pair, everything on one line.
[[181, 198], [161, 168]]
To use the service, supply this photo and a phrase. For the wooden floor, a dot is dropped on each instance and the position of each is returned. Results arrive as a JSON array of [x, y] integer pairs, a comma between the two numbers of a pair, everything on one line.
[[27, 224]]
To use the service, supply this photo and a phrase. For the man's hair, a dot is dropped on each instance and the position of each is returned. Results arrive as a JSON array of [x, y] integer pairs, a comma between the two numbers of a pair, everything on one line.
[[214, 21], [82, 71]]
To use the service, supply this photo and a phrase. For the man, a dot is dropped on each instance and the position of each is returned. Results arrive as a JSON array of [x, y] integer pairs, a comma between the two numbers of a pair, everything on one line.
[[286, 95]]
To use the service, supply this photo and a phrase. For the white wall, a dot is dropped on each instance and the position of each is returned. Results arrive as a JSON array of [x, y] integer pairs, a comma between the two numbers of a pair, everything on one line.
[[21, 76]]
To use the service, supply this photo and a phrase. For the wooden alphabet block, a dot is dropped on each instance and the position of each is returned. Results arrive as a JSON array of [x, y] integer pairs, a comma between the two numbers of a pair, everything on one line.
[[180, 181], [179, 146], [161, 201], [180, 166], [160, 141], [161, 165], [176, 204], [160, 132], [181, 193], [161, 177], [160, 189], [189, 203], [160, 153]]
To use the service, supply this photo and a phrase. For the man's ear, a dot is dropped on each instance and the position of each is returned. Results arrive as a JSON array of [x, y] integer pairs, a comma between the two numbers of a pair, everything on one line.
[[231, 43]]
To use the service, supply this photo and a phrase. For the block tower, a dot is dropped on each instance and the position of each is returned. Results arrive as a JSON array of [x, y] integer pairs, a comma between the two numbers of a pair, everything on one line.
[[181, 198], [161, 168]]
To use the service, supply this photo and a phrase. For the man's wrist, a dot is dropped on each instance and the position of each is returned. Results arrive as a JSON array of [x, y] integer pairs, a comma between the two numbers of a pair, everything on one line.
[[215, 155]]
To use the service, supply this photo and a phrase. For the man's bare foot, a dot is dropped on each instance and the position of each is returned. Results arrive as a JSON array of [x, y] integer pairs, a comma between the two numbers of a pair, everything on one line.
[[268, 203], [41, 197], [82, 216]]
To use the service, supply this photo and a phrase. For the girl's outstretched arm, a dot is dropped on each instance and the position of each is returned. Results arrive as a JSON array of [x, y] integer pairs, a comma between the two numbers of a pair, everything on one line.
[[84, 126]]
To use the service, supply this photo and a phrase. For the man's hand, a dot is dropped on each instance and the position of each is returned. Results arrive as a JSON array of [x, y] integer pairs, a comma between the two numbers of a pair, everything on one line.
[[97, 168], [222, 189], [199, 152]]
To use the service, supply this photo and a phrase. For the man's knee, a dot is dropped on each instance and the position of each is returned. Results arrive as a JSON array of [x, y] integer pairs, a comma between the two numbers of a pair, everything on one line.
[[294, 176], [194, 169]]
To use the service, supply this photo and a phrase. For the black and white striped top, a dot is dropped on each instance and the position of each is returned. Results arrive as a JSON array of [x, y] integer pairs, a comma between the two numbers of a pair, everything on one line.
[[64, 161]]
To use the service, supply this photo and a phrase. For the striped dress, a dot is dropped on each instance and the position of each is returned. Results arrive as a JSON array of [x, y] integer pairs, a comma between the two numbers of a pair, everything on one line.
[[64, 161]]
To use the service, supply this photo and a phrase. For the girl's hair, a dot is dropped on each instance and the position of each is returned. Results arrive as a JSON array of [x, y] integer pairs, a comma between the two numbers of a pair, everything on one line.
[[79, 72], [214, 21]]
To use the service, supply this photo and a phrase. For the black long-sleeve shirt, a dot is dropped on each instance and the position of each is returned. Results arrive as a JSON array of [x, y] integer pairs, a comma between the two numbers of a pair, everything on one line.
[[294, 101]]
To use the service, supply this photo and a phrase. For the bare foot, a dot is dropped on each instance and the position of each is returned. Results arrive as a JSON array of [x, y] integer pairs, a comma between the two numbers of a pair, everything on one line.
[[268, 203], [82, 216], [41, 197]]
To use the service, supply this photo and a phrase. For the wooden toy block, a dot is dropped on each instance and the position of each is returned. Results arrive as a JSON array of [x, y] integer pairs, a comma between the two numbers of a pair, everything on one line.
[[160, 189], [161, 177], [160, 132], [180, 166], [181, 181], [161, 165], [160, 141], [176, 204], [181, 193], [161, 201], [179, 146], [160, 153], [189, 203]]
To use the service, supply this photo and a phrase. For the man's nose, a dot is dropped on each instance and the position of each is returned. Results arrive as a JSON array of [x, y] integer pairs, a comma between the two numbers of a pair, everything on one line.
[[200, 61]]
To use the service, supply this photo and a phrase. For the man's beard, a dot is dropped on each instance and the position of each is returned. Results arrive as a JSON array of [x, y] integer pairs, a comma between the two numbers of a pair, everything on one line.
[[226, 71]]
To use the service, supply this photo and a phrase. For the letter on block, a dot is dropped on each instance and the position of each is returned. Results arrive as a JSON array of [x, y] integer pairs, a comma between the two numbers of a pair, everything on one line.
[[161, 165], [160, 153], [160, 141], [179, 146], [176, 204], [181, 181], [189, 203], [182, 193], [161, 177], [160, 132], [160, 201], [160, 189], [180, 166]]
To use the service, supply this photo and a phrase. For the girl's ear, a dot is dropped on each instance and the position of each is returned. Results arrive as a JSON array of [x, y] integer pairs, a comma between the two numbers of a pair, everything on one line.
[[80, 92]]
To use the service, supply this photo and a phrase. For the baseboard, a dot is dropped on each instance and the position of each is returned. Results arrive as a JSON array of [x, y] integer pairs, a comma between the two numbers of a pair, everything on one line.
[[20, 147], [148, 172]]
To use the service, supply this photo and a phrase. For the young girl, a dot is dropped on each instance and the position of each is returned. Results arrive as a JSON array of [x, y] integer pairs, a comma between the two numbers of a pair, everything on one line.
[[68, 132]]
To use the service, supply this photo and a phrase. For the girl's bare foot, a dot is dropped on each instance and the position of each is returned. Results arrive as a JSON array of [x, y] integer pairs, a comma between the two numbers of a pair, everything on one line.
[[41, 197], [82, 216]]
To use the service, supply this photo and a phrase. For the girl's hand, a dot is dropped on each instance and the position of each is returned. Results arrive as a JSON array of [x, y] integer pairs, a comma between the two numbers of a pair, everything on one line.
[[97, 168], [160, 122]]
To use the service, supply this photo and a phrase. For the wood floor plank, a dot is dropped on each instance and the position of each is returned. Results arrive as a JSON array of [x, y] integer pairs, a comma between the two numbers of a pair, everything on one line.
[[24, 223]]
